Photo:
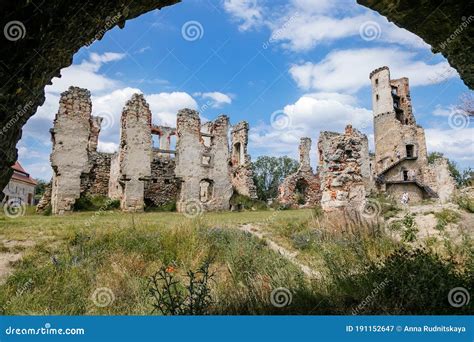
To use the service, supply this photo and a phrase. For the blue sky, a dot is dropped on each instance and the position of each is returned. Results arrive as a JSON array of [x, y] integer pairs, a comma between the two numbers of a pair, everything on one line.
[[290, 68]]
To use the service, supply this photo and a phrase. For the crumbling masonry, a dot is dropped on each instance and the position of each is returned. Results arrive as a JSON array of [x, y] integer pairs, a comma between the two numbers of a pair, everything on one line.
[[301, 189], [199, 173], [401, 163], [343, 169]]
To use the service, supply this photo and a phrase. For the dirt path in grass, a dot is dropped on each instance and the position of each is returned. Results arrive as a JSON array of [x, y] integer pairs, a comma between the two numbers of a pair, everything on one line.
[[11, 251], [290, 256]]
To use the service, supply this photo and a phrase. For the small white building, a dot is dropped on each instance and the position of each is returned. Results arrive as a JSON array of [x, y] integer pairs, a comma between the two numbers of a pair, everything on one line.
[[21, 186]]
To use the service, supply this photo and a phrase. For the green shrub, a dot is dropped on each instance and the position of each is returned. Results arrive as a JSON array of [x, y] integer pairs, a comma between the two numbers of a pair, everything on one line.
[[467, 203], [96, 202], [242, 202], [410, 228]]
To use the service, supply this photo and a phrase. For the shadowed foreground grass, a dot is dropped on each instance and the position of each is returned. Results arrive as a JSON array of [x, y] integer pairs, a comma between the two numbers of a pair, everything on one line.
[[101, 264]]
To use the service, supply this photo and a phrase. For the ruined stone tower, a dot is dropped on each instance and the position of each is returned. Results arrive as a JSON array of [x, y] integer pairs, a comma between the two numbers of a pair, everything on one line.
[[135, 153], [302, 188], [202, 162], [400, 146], [242, 175]]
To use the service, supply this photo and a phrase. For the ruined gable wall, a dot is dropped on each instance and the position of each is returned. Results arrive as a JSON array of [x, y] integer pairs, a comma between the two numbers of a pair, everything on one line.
[[69, 157], [196, 162], [242, 174], [135, 152], [340, 165]]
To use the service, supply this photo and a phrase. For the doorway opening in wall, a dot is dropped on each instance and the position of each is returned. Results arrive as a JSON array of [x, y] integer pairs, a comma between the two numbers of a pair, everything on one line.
[[206, 188], [301, 191], [410, 149]]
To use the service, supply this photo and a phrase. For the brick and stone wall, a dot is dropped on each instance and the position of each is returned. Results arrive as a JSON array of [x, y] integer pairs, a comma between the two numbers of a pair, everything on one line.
[[302, 188], [241, 170], [203, 171], [135, 152], [164, 186], [342, 159], [70, 155]]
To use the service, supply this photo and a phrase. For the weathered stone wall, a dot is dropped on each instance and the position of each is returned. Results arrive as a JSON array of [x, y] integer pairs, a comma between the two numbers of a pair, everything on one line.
[[203, 171], [242, 174], [115, 187], [164, 186], [396, 191], [70, 157], [438, 177], [135, 152], [342, 157], [302, 188], [96, 182]]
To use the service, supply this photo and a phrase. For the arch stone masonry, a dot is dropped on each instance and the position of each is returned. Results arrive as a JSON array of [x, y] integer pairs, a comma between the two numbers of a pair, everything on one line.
[[29, 61]]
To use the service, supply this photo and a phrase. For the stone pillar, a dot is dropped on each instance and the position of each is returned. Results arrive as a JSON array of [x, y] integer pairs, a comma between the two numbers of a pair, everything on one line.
[[242, 174], [305, 148], [96, 122], [70, 138], [135, 152]]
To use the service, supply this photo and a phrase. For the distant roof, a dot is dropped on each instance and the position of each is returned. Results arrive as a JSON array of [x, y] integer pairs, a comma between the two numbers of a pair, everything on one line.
[[21, 175]]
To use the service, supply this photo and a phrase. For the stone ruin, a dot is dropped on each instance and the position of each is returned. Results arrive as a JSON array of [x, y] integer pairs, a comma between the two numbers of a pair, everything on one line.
[[302, 188], [343, 168], [401, 161], [201, 174], [206, 169]]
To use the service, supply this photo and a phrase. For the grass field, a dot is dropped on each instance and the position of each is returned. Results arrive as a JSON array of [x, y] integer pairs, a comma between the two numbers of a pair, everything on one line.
[[103, 263]]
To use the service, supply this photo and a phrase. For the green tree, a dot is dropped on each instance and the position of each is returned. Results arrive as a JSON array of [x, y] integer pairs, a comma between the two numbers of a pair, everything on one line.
[[269, 172]]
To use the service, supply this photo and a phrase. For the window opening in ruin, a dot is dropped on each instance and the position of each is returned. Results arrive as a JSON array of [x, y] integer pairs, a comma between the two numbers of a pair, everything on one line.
[[406, 121], [377, 97], [205, 190], [410, 151], [405, 175], [301, 190], [349, 153], [206, 160], [173, 140], [155, 141], [237, 151], [376, 81]]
